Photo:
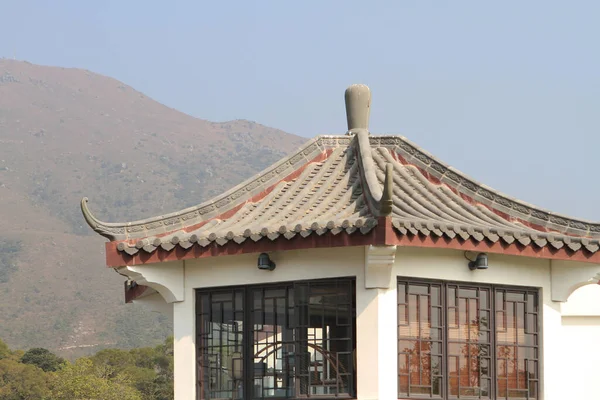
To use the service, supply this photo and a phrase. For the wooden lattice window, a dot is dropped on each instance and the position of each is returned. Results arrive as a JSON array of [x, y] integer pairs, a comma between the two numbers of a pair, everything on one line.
[[467, 341], [281, 341]]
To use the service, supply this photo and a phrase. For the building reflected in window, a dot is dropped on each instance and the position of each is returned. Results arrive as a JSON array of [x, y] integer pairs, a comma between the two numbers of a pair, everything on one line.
[[277, 341], [455, 342]]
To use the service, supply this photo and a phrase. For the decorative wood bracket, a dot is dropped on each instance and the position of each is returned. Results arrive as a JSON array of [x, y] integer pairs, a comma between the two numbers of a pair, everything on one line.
[[566, 277], [379, 261], [166, 279]]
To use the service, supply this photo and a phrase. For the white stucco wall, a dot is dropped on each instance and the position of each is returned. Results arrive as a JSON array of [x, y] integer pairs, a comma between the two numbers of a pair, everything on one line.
[[580, 337], [567, 341], [232, 270]]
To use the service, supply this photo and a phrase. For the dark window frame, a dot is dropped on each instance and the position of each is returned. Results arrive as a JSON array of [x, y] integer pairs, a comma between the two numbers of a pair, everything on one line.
[[249, 327], [493, 329]]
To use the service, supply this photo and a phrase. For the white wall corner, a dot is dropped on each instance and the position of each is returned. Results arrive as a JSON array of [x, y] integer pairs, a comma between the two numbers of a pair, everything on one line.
[[167, 279], [379, 261], [566, 277]]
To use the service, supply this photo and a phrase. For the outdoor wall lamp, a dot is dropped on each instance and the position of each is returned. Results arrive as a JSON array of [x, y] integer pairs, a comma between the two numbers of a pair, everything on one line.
[[480, 262], [265, 263]]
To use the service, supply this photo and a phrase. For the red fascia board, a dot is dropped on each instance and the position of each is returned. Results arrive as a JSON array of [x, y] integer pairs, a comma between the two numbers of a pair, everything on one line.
[[382, 234]]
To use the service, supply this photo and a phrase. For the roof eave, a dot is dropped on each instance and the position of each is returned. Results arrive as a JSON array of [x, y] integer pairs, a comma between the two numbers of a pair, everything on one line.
[[312, 151], [431, 165], [383, 234]]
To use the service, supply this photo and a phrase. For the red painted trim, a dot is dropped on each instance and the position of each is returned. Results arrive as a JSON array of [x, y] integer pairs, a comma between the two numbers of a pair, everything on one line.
[[499, 247], [382, 234], [116, 258], [133, 293]]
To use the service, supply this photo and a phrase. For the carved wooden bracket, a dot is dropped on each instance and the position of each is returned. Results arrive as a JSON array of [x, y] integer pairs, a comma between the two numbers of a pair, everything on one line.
[[166, 279], [379, 261], [566, 277]]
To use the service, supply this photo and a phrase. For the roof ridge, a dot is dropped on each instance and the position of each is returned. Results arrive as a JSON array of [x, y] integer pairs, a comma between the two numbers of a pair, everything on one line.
[[378, 197]]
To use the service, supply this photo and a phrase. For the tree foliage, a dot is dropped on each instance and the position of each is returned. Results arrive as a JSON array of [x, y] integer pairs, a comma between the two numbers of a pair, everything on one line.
[[111, 374], [20, 381], [4, 350], [43, 358], [82, 380]]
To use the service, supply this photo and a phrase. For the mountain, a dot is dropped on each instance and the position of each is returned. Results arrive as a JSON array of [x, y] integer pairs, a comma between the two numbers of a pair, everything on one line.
[[68, 133]]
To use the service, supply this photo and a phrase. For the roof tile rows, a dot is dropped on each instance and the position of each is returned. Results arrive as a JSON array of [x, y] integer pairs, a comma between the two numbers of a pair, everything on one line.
[[326, 194], [344, 185]]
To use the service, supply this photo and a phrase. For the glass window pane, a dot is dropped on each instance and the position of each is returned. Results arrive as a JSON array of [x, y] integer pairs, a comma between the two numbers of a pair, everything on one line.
[[327, 339], [484, 296], [420, 342], [451, 290], [469, 350], [467, 293], [299, 341], [418, 289], [482, 324], [273, 343], [436, 299], [516, 346], [220, 344], [401, 293]]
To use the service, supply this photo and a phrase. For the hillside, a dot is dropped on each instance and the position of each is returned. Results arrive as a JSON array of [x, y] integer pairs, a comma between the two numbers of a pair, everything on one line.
[[69, 133]]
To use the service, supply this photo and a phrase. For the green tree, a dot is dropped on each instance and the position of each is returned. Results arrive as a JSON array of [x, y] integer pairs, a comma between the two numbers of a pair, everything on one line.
[[144, 357], [165, 375], [4, 350], [112, 362], [149, 370], [145, 381], [81, 381], [43, 358], [22, 382], [138, 374]]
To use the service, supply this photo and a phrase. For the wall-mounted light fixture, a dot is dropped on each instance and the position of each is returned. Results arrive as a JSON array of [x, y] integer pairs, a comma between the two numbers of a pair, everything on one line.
[[265, 262], [480, 262], [130, 284]]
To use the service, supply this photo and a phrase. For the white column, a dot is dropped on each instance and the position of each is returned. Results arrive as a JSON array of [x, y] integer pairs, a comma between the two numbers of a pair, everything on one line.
[[184, 348], [388, 343], [377, 345], [367, 338], [555, 352], [376, 327]]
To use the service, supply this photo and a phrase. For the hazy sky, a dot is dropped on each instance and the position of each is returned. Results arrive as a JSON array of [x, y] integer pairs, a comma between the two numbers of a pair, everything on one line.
[[506, 91]]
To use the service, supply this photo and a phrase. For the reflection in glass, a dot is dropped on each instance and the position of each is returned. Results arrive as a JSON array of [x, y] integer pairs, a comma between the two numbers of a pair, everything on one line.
[[286, 341], [469, 354], [516, 345], [420, 340], [477, 342], [220, 365]]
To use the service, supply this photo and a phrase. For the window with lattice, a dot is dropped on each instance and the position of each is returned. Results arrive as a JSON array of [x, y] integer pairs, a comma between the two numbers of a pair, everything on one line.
[[466, 341], [281, 341]]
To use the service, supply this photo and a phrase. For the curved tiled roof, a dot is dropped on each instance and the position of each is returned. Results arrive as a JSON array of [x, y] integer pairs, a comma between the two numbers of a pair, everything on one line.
[[329, 193], [345, 184]]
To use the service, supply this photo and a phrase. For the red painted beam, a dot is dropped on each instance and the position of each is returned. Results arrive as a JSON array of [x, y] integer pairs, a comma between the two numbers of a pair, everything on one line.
[[382, 234], [115, 258], [133, 292]]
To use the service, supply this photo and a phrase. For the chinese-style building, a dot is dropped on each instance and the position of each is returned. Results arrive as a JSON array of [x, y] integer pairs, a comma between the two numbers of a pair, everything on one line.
[[362, 267]]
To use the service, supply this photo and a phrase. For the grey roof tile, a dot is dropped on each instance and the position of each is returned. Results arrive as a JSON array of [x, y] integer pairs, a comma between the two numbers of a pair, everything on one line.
[[342, 184]]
